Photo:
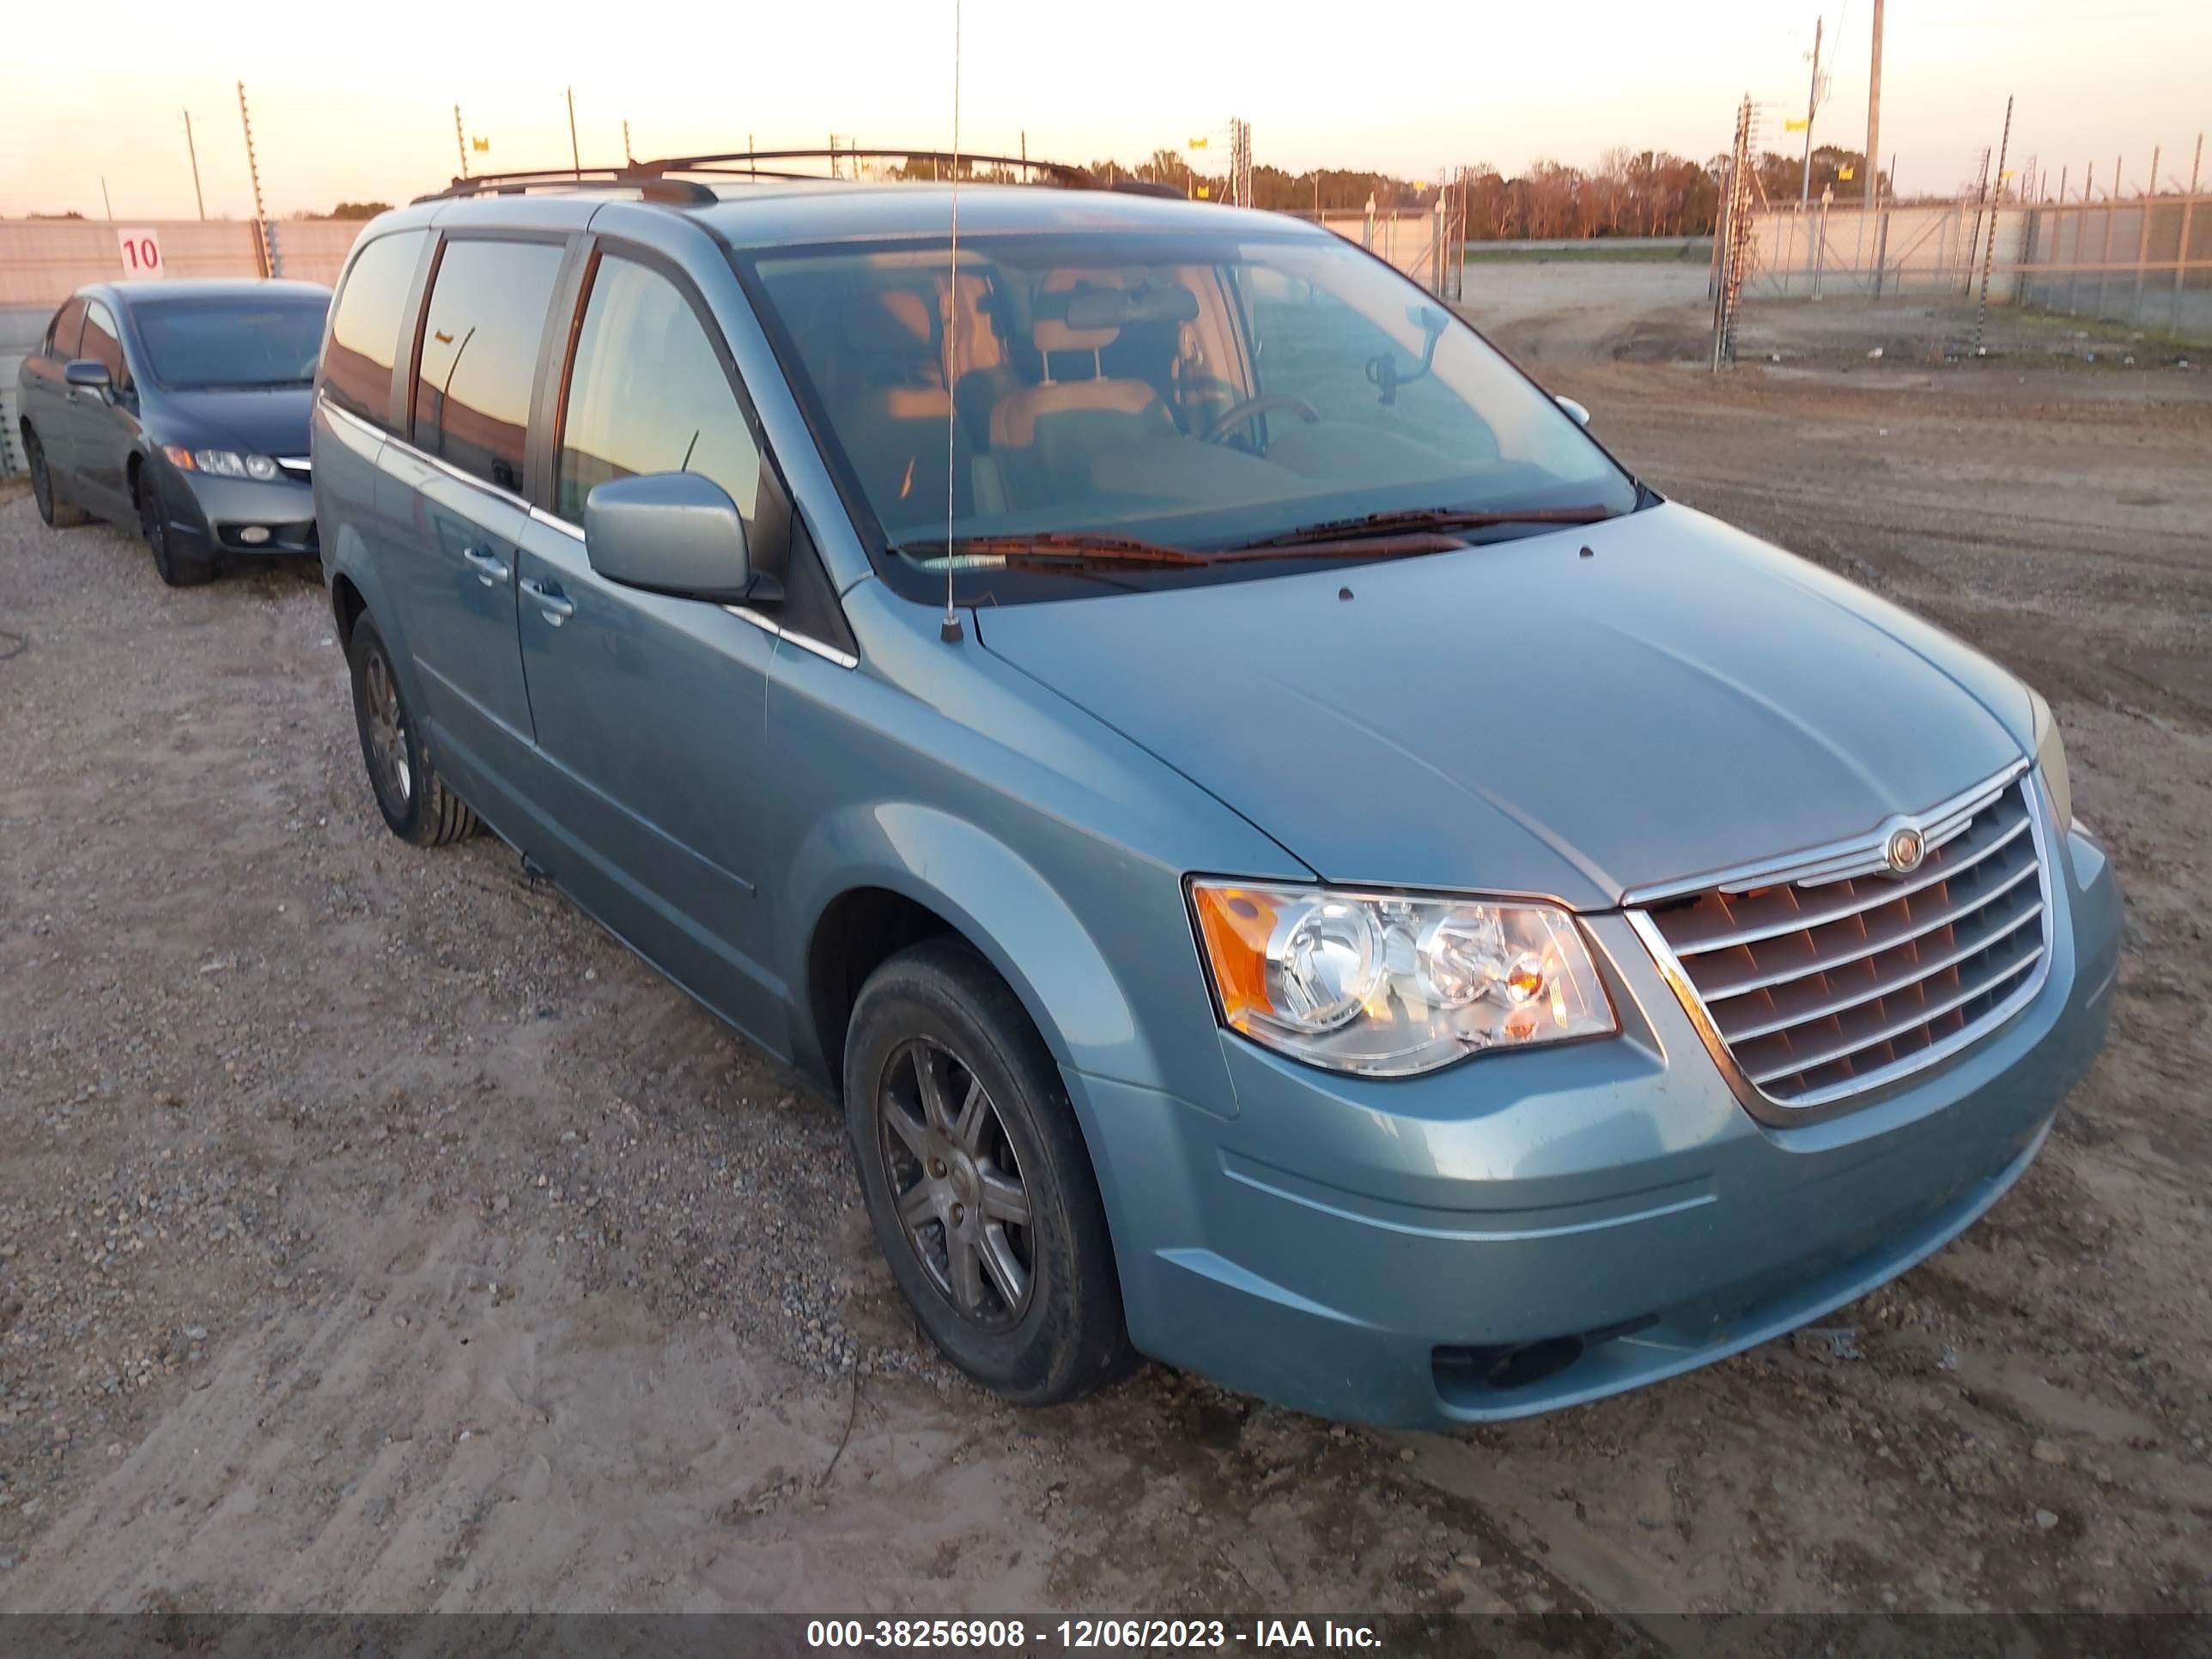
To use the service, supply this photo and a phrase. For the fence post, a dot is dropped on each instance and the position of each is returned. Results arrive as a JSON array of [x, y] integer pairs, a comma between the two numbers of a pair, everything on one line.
[[2142, 253], [2181, 248], [2112, 212]]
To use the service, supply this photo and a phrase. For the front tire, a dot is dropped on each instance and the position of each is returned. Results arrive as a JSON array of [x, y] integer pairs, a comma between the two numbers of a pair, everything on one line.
[[977, 1182], [154, 525], [52, 510], [417, 805]]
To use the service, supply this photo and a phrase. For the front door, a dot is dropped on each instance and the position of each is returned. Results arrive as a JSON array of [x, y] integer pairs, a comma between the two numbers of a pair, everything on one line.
[[649, 710], [458, 483]]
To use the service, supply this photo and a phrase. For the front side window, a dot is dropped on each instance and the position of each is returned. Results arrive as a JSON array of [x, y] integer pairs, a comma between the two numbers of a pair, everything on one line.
[[102, 343], [1203, 392], [215, 344], [480, 339], [648, 394], [357, 375], [68, 327]]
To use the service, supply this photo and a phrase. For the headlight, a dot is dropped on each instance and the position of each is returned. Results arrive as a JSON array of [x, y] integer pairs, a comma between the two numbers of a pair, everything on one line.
[[229, 464], [1385, 984], [2051, 760]]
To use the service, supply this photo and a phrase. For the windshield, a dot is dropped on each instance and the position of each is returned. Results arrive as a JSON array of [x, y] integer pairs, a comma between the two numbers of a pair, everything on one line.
[[213, 343], [1194, 393]]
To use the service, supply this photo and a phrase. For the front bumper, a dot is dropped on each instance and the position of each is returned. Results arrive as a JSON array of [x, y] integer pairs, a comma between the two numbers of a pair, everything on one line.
[[1531, 1230], [206, 515]]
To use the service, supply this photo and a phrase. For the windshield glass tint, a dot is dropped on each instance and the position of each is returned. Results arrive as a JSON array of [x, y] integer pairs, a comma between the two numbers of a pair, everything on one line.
[[1199, 393], [232, 342]]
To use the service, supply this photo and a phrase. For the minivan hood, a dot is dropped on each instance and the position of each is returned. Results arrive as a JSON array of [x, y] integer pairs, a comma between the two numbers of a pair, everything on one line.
[[255, 420], [1522, 717]]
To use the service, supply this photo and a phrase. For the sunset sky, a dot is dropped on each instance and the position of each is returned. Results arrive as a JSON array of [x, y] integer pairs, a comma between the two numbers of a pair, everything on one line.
[[354, 100]]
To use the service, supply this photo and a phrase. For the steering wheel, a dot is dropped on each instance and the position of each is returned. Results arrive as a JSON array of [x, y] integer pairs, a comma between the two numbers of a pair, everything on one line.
[[1226, 424], [307, 369]]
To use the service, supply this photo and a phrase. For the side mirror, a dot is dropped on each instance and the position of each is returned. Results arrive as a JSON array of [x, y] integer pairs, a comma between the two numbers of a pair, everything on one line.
[[670, 532], [89, 373], [1581, 414]]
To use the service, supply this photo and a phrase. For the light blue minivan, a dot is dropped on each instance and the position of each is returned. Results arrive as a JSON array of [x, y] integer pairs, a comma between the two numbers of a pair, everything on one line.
[[1297, 863]]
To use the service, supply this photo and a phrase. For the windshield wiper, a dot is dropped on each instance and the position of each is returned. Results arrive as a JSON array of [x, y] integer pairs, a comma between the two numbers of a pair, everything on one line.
[[1411, 520], [1048, 548]]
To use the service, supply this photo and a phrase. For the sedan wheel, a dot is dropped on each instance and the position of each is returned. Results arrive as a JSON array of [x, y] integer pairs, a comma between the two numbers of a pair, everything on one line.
[[52, 510], [153, 525]]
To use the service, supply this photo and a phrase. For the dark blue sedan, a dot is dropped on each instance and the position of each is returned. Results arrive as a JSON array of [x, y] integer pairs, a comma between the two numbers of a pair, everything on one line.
[[181, 407]]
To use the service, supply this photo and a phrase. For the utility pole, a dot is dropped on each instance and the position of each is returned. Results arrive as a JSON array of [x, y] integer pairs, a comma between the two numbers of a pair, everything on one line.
[[460, 141], [626, 157], [576, 161], [1874, 116], [192, 150], [1812, 107], [104, 201]]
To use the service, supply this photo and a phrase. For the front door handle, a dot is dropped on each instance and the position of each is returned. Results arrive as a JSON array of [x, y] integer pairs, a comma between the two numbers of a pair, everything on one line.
[[490, 568], [557, 607]]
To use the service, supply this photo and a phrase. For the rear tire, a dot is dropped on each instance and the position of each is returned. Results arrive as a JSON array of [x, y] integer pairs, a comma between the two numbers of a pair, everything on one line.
[[52, 510], [417, 805], [977, 1180], [175, 570]]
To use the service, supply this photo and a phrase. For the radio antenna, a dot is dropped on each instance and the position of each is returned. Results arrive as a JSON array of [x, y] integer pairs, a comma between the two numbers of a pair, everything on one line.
[[949, 630]]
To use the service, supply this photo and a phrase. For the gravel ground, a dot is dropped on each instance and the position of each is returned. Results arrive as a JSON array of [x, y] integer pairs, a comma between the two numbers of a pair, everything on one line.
[[376, 1234]]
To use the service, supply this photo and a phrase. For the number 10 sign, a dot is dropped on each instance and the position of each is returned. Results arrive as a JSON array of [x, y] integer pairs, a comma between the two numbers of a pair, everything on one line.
[[141, 253]]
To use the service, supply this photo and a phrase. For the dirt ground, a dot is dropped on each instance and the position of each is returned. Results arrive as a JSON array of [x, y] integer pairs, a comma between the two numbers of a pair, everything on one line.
[[375, 1234]]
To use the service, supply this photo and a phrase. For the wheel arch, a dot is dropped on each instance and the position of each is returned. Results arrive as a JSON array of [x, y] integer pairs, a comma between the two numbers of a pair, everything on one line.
[[872, 880]]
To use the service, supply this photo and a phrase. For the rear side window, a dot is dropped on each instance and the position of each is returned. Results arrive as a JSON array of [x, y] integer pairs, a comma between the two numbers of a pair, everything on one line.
[[365, 326], [69, 323], [648, 394], [480, 340], [99, 343]]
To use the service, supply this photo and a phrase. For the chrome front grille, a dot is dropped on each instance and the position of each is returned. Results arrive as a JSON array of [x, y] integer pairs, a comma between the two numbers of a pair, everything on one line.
[[1822, 985]]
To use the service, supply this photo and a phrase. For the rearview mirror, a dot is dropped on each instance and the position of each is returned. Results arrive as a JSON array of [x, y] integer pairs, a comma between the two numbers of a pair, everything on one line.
[[1581, 414], [89, 373], [670, 532]]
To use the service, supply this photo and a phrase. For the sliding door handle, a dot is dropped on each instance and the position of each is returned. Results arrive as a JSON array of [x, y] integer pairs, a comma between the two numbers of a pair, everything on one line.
[[490, 568]]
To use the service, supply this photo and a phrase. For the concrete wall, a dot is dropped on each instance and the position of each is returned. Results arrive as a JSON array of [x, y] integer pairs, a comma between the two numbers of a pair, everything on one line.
[[1400, 239], [2145, 262], [1930, 249], [44, 261]]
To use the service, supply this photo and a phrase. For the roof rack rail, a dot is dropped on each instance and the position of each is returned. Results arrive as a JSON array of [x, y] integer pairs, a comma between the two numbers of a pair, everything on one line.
[[674, 178]]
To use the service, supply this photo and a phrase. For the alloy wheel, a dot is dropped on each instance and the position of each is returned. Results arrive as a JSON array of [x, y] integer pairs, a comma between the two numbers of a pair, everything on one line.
[[387, 730], [956, 1183]]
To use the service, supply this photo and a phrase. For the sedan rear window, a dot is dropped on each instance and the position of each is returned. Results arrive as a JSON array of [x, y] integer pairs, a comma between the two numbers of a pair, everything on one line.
[[244, 342]]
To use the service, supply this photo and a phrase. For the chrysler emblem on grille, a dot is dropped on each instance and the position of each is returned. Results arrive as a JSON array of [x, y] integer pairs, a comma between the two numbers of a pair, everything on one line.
[[1904, 851]]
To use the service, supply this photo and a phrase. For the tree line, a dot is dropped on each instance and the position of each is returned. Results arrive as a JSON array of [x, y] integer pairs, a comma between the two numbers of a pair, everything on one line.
[[1630, 192]]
